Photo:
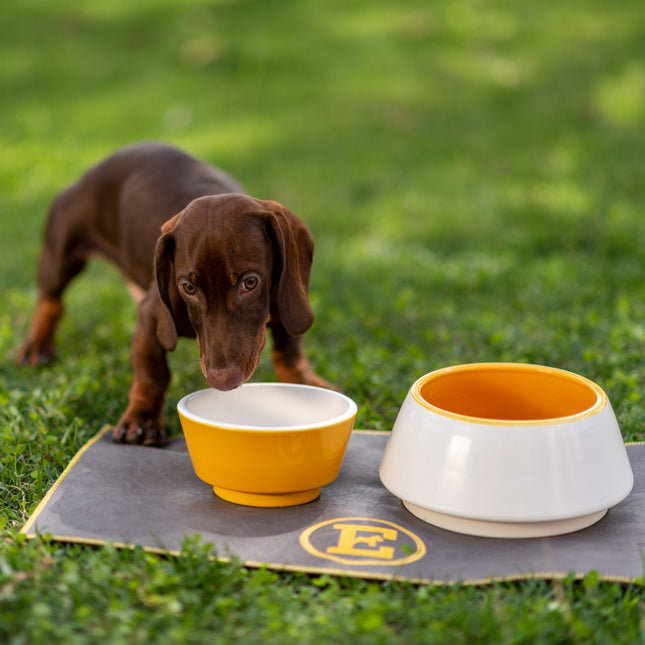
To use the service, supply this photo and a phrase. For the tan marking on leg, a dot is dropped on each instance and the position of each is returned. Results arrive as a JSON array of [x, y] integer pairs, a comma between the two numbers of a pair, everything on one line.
[[136, 292], [40, 346]]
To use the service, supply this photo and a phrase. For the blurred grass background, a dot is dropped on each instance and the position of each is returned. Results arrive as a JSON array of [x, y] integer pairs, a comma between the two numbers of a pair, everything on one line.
[[472, 173]]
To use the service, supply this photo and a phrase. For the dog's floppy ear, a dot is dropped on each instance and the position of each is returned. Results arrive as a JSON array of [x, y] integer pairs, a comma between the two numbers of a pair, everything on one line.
[[294, 256], [169, 226], [165, 278]]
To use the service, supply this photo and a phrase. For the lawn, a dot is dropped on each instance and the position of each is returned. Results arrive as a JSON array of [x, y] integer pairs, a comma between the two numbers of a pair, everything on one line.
[[472, 173]]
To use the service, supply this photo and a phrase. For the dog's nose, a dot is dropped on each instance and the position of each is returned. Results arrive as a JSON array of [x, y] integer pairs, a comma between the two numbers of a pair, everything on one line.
[[227, 378]]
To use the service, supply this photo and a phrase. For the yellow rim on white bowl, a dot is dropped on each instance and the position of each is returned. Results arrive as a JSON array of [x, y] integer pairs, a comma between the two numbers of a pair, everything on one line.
[[503, 393]]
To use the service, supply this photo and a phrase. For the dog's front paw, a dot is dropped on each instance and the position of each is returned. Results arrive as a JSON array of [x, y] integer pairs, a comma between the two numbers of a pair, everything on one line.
[[140, 428]]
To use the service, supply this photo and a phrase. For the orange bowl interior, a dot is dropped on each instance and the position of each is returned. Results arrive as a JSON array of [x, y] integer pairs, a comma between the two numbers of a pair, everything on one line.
[[508, 392]]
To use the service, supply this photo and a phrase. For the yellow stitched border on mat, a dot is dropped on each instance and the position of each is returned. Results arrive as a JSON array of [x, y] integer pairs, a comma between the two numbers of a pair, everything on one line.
[[34, 516], [92, 541], [296, 568]]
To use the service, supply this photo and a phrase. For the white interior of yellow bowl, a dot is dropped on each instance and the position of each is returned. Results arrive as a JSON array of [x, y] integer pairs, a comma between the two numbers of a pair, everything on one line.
[[268, 406]]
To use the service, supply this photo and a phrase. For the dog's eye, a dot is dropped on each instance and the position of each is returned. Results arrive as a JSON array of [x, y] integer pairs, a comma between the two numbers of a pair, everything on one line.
[[250, 282], [188, 288]]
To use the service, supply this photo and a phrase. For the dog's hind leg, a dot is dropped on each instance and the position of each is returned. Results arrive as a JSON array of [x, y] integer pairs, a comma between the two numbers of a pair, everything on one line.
[[40, 346], [62, 258], [290, 361]]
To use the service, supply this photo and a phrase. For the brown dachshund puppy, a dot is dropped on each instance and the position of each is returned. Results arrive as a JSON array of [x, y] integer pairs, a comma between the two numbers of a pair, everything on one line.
[[205, 260]]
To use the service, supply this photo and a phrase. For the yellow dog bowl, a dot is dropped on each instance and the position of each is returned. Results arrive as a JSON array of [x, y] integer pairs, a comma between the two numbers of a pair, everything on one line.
[[506, 450], [267, 444]]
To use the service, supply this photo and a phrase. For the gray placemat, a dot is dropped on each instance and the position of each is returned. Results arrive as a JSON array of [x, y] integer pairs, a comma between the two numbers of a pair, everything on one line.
[[131, 495]]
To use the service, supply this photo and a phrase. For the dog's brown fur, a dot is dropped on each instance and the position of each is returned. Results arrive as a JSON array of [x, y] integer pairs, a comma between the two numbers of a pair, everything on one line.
[[209, 262]]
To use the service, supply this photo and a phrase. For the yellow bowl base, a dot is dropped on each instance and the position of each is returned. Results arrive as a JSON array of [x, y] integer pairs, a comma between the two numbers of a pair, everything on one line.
[[267, 499]]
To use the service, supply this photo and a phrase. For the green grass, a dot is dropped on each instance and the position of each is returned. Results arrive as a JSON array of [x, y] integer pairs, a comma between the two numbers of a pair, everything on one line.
[[472, 174]]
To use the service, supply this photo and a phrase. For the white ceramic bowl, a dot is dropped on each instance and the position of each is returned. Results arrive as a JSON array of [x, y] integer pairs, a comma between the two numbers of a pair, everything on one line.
[[506, 450]]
